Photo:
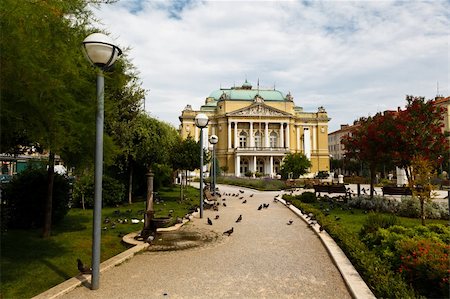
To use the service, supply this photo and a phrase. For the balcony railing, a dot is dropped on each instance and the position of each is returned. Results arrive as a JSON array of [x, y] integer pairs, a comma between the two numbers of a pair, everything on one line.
[[260, 149]]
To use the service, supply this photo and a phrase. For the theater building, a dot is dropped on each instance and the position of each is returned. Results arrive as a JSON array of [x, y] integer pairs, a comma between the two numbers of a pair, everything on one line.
[[257, 128]]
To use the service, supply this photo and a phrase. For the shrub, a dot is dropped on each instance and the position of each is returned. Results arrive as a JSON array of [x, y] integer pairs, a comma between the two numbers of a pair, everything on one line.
[[378, 203], [26, 196], [424, 264], [410, 207], [307, 197], [113, 192], [370, 229], [376, 272]]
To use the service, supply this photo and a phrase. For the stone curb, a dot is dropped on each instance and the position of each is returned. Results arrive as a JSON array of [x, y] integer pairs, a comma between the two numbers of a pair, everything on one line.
[[84, 279], [355, 284], [81, 279]]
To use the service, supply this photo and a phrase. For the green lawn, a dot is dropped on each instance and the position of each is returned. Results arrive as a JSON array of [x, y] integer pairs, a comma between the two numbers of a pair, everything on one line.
[[31, 265]]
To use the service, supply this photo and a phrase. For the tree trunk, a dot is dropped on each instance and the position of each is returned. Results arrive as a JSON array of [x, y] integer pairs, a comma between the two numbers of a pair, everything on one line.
[[149, 202], [181, 186], [372, 179], [48, 203], [422, 210], [82, 201], [130, 182]]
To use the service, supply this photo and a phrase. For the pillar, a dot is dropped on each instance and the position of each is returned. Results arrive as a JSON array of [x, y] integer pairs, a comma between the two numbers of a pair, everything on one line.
[[236, 141], [288, 133], [237, 169], [252, 141], [281, 135], [271, 166], [229, 134], [297, 137], [266, 134]]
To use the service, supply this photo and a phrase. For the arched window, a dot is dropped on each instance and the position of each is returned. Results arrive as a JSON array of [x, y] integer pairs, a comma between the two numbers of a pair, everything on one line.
[[260, 166], [273, 139], [258, 138], [276, 166], [243, 139], [244, 166]]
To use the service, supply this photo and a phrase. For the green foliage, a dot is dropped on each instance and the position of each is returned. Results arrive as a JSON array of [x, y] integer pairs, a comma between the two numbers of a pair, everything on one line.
[[307, 197], [25, 198], [248, 173], [113, 192], [424, 264], [376, 272], [295, 163], [153, 140], [186, 154], [375, 221]]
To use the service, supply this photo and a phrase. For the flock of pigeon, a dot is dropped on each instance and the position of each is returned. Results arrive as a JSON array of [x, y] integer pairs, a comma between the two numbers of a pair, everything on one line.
[[240, 196]]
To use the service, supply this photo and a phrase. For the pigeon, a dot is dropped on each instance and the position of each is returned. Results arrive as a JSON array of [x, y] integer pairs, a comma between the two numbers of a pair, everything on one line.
[[290, 222], [228, 232], [82, 268], [251, 195], [242, 191], [217, 217], [265, 206], [245, 201], [134, 220], [260, 207], [242, 197], [239, 219], [320, 229], [209, 221], [337, 218], [224, 204], [107, 220]]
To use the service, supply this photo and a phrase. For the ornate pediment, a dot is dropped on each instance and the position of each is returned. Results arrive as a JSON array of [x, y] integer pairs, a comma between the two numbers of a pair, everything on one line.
[[258, 109]]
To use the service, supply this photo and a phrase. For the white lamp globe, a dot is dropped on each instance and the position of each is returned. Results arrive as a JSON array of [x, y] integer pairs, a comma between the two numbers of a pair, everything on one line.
[[201, 120], [101, 50], [213, 139]]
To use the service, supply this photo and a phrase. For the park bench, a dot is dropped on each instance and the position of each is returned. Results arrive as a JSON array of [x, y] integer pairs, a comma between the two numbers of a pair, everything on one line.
[[209, 199], [330, 189], [393, 190]]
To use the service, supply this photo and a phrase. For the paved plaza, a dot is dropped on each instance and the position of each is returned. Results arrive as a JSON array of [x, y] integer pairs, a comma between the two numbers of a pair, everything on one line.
[[264, 257]]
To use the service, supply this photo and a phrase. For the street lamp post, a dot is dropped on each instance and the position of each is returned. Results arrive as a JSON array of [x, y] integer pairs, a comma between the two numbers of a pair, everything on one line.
[[201, 121], [213, 139], [101, 52]]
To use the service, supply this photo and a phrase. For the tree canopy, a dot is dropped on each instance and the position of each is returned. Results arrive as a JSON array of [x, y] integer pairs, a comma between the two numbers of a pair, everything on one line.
[[295, 163]]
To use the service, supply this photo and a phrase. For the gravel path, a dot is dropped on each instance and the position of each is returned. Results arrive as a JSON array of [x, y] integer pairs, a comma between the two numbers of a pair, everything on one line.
[[264, 257]]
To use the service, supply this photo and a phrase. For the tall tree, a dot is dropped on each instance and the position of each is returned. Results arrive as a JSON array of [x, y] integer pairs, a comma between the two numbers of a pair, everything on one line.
[[185, 157], [419, 133], [295, 163], [372, 141], [44, 88]]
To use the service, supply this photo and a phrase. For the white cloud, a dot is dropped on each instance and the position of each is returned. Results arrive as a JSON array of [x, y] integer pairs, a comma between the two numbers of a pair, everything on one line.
[[354, 58]]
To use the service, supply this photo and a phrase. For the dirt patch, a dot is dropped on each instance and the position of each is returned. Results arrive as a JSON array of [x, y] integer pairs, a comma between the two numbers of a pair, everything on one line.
[[184, 238]]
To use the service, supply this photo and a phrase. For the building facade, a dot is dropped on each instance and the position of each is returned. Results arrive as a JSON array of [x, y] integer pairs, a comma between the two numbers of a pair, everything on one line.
[[257, 128]]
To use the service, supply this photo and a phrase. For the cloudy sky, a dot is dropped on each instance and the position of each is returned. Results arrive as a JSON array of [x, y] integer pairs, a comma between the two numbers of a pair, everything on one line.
[[353, 58]]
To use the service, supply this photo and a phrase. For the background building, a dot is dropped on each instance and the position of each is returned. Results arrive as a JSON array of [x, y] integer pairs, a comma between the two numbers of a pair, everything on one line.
[[257, 128]]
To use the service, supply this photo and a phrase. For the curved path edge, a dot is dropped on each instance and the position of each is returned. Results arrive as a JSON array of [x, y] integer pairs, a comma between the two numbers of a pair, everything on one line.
[[84, 279], [355, 284]]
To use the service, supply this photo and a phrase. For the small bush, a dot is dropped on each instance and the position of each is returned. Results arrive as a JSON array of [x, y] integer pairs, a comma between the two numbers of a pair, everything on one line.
[[307, 197], [375, 221], [26, 195], [424, 264], [376, 272], [410, 207], [113, 192]]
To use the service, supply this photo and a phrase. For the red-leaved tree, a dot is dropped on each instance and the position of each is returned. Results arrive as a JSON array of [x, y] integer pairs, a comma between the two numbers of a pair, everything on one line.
[[420, 134], [372, 140]]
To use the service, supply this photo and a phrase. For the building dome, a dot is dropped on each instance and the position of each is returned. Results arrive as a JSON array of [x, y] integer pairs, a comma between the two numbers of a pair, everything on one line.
[[247, 85]]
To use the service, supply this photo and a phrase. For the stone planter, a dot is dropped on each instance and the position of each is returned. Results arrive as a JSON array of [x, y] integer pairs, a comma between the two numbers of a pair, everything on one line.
[[159, 222]]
